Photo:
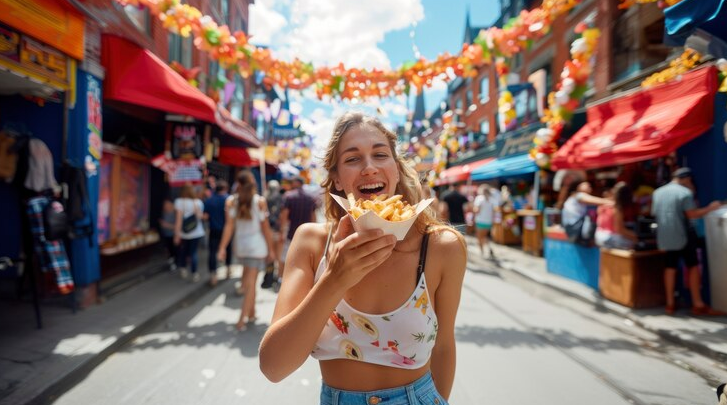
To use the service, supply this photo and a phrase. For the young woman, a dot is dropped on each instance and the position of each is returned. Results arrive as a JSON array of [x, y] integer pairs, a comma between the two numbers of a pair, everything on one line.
[[189, 208], [247, 216], [484, 208], [612, 231], [378, 314]]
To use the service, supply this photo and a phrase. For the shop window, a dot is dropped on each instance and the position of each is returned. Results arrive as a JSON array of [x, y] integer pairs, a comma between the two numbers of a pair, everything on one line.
[[123, 214], [485, 89]]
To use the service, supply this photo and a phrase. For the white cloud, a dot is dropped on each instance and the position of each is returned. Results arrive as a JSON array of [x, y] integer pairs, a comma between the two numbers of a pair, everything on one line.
[[265, 22], [327, 32]]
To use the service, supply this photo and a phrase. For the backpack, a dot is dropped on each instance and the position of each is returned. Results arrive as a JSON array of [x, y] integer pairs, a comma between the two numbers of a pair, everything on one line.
[[55, 220], [582, 231]]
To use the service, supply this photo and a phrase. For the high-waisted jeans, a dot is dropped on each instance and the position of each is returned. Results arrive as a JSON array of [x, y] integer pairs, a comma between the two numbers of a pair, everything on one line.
[[419, 392]]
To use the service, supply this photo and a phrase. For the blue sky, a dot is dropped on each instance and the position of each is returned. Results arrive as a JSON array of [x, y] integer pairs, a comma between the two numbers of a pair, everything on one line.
[[374, 33]]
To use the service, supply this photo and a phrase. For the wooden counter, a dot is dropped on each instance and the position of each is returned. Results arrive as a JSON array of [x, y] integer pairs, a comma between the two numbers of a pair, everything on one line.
[[631, 278], [501, 233], [532, 231]]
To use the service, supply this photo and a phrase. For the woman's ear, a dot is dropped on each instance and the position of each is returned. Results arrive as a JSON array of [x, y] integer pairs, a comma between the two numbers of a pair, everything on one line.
[[337, 184]]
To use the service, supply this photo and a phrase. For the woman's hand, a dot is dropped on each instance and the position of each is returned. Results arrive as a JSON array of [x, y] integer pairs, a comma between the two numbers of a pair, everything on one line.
[[177, 240], [355, 254], [221, 255]]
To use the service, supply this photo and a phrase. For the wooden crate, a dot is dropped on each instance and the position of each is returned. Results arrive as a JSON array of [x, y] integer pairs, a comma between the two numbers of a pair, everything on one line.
[[500, 233], [630, 278]]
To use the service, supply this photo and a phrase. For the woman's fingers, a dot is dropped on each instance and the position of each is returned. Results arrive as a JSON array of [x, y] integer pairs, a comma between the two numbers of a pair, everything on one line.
[[345, 229], [374, 245], [359, 238]]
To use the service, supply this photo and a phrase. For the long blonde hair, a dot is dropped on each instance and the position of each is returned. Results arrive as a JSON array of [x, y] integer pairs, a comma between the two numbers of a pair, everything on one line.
[[246, 188], [408, 186]]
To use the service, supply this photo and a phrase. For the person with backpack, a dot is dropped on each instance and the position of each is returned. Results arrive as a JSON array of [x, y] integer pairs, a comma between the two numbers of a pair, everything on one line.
[[188, 231], [214, 210], [576, 221]]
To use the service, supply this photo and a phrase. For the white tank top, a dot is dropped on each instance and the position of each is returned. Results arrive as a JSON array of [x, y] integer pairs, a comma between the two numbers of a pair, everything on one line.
[[402, 338], [249, 239]]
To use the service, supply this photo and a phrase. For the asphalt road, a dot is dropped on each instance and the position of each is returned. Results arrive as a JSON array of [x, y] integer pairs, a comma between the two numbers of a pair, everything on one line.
[[518, 343]]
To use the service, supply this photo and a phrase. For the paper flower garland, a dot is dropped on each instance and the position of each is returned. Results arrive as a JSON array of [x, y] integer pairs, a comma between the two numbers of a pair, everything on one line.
[[684, 63], [234, 50], [567, 97]]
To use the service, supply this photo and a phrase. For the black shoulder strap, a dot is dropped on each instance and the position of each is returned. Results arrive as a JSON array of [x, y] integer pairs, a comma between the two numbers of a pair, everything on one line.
[[422, 255]]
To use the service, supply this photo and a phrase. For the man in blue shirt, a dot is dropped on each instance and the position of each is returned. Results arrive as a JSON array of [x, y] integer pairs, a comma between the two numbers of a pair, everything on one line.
[[673, 206], [214, 210]]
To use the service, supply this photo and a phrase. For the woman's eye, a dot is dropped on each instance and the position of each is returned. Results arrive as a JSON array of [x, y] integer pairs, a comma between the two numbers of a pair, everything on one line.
[[382, 155], [351, 160]]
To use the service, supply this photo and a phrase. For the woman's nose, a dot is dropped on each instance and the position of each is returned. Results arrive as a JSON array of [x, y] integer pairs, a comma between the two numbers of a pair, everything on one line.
[[369, 167]]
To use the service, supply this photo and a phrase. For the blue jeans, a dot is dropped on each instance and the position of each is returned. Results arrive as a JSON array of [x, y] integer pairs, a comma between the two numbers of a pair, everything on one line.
[[419, 392], [188, 249], [213, 246]]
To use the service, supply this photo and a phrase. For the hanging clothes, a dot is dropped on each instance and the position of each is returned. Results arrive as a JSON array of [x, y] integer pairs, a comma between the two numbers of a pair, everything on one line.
[[40, 167], [51, 254], [8, 157]]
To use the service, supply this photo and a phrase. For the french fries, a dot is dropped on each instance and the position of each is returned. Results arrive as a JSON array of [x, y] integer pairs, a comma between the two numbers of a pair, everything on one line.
[[392, 209]]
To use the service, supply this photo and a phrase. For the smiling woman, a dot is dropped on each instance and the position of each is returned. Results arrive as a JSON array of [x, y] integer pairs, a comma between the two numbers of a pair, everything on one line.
[[378, 314]]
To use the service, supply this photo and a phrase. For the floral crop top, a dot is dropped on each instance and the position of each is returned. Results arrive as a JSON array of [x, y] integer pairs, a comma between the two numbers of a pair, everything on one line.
[[403, 338]]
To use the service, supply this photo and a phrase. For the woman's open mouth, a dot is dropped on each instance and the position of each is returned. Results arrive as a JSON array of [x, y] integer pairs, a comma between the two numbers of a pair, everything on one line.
[[371, 189]]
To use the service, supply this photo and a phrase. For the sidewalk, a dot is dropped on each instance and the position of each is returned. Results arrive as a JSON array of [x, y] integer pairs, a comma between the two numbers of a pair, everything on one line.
[[37, 365], [704, 335]]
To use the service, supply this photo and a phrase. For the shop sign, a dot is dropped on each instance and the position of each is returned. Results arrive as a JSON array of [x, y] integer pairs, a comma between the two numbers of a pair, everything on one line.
[[28, 56], [529, 223], [516, 144], [186, 141], [180, 172], [50, 21], [93, 112]]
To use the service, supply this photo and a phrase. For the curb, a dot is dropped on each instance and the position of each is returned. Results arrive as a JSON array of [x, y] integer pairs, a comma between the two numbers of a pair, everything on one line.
[[73, 377], [662, 333]]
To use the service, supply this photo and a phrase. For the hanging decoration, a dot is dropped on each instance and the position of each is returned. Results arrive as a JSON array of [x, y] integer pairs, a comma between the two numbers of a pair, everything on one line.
[[233, 50], [190, 75], [661, 3], [567, 97], [677, 67], [722, 75]]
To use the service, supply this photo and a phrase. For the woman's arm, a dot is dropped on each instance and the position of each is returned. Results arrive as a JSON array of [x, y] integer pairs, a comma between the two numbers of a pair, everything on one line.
[[265, 226], [303, 307], [227, 230], [177, 226], [446, 303], [593, 200], [620, 227]]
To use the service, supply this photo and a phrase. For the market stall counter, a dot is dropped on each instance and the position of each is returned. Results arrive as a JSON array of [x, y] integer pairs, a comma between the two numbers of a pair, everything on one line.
[[632, 278], [505, 227], [571, 260], [532, 231]]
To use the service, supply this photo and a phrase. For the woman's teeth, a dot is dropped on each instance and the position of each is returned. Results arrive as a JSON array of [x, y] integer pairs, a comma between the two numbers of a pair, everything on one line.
[[370, 188]]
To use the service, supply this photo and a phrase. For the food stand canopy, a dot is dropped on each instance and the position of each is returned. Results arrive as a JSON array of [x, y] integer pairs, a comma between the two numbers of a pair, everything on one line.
[[505, 167], [456, 174], [643, 125]]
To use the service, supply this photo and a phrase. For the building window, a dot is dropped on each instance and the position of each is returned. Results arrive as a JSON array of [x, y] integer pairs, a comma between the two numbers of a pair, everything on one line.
[[237, 98], [485, 89], [468, 99], [140, 18], [485, 127], [175, 48], [225, 9]]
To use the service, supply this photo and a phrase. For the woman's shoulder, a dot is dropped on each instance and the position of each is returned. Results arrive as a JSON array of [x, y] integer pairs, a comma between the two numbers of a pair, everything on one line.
[[447, 240], [312, 230]]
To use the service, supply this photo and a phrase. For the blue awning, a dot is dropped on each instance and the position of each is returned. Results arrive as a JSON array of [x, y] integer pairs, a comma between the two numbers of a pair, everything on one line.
[[681, 19], [505, 167]]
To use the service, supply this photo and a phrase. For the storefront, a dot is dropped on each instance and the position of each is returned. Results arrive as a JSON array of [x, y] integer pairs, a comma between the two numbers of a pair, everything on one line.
[[641, 137], [157, 130]]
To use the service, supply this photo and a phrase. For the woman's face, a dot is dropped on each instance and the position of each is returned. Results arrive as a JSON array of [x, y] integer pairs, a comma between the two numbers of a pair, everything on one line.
[[366, 165]]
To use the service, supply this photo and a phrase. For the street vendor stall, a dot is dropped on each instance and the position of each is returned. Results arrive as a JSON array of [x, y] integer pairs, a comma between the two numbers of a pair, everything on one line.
[[627, 135]]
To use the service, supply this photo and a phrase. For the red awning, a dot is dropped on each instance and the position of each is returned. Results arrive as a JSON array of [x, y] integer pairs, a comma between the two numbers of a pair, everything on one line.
[[135, 75], [460, 173], [643, 125], [237, 157], [236, 128]]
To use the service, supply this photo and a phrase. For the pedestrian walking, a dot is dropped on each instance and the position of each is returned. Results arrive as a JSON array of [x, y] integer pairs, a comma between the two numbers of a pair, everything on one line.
[[274, 199], [166, 227], [298, 208], [673, 206], [214, 210], [247, 214], [484, 208], [188, 231], [452, 207], [371, 348]]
